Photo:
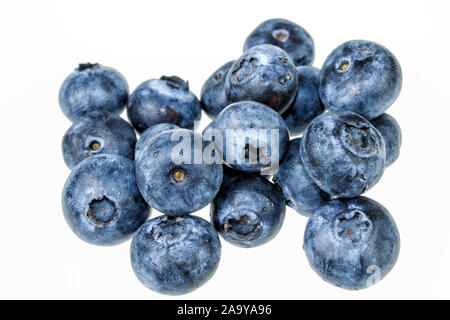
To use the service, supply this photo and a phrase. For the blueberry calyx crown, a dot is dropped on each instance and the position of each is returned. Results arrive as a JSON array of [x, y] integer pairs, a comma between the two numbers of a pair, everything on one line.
[[178, 175], [280, 34], [102, 210], [175, 82], [169, 228], [86, 66], [353, 227], [239, 72], [243, 227], [359, 139]]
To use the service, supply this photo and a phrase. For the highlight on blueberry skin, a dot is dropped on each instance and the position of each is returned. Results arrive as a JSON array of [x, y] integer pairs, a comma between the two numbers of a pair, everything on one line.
[[101, 201], [213, 97], [164, 100], [343, 153], [307, 104], [264, 73], [249, 211], [175, 255], [392, 135], [93, 87], [287, 35], [172, 175], [360, 76], [299, 190], [98, 133], [149, 134], [352, 243]]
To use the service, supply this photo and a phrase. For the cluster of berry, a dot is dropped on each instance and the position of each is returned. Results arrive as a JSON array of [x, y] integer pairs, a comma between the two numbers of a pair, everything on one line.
[[243, 164]]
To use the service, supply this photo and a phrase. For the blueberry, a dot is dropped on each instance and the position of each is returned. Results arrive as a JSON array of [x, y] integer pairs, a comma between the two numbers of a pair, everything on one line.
[[175, 255], [172, 175], [101, 201], [392, 134], [150, 133], [287, 35], [93, 87], [252, 136], [307, 104], [300, 192], [264, 73], [352, 243], [249, 211], [213, 97], [343, 153], [98, 133], [362, 77], [165, 100]]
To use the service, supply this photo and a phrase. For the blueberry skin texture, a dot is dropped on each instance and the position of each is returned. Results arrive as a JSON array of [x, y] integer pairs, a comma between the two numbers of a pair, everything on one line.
[[248, 117], [98, 133], [213, 97], [93, 87], [300, 192], [266, 74], [362, 77], [174, 256], [165, 100], [348, 240], [392, 135], [343, 153], [176, 189], [101, 201], [149, 134], [287, 35], [307, 104], [249, 211]]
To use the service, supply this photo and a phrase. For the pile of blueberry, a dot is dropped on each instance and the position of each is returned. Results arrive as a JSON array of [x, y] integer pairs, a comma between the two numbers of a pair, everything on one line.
[[243, 164]]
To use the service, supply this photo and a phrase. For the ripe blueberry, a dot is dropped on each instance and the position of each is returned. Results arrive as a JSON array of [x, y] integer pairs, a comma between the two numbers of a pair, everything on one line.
[[101, 201], [352, 243], [165, 100], [288, 36], [93, 87], [266, 74], [249, 211], [175, 255], [343, 153], [98, 133], [362, 77]]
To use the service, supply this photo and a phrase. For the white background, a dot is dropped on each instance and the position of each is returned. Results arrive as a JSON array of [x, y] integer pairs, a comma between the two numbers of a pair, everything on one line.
[[42, 42]]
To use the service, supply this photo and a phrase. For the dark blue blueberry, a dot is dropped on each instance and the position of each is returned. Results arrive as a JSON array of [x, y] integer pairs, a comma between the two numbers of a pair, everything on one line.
[[151, 132], [392, 134], [362, 77], [300, 192], [213, 97], [93, 87], [352, 243], [306, 105], [249, 211], [229, 173], [98, 133], [343, 153], [265, 74], [172, 175], [253, 136], [165, 100], [288, 36], [175, 255], [101, 200]]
